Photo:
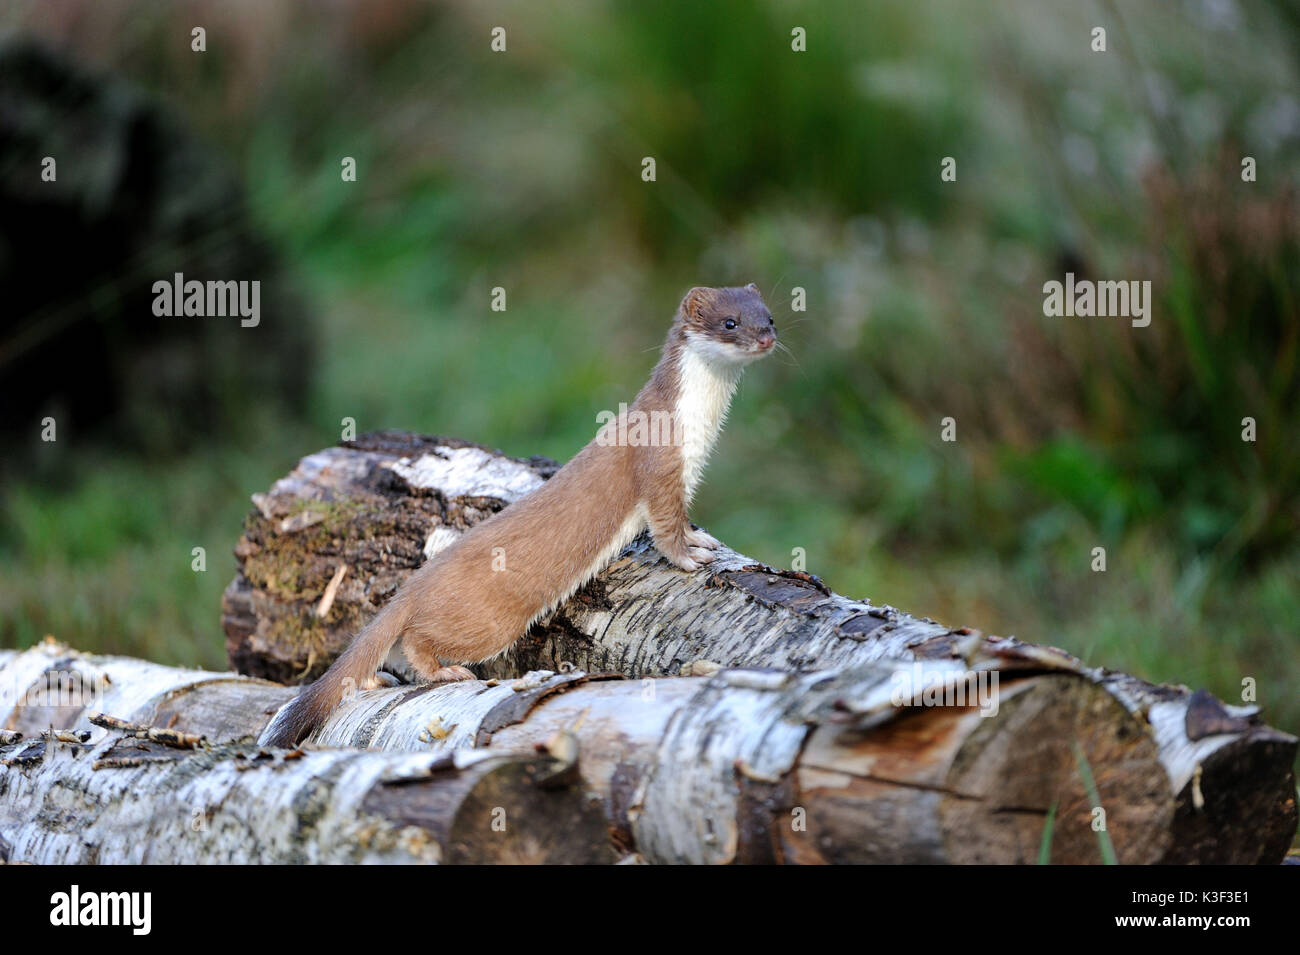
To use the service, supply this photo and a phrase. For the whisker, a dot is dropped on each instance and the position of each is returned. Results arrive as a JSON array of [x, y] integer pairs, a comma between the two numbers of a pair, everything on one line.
[[777, 284], [781, 346]]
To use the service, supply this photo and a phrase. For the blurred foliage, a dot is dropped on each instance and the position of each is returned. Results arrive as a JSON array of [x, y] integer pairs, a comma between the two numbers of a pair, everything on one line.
[[818, 170]]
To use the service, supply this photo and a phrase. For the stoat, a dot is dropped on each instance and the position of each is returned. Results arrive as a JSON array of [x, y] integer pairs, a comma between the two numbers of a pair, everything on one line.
[[476, 597]]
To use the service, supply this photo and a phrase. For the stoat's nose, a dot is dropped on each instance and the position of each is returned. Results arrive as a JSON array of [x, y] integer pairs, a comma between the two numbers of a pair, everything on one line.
[[766, 340]]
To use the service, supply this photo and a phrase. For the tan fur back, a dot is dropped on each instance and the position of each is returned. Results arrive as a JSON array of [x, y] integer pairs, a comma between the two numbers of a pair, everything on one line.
[[482, 593]]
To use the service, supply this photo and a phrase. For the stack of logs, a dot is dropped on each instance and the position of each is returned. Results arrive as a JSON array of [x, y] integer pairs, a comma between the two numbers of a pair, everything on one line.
[[736, 714]]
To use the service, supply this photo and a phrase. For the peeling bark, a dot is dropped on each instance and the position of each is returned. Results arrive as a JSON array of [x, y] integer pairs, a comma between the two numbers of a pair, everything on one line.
[[72, 803]]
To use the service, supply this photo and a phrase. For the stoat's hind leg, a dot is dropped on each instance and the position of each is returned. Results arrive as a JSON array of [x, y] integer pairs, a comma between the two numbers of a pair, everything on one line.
[[425, 655], [450, 675], [381, 679]]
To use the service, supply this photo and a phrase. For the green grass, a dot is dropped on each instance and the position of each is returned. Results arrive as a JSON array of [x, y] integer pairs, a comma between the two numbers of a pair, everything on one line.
[[1045, 843], [1104, 844], [106, 562]]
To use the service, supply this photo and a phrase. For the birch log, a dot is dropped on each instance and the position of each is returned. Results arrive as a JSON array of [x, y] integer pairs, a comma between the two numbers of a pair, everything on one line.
[[741, 766], [381, 505], [87, 794]]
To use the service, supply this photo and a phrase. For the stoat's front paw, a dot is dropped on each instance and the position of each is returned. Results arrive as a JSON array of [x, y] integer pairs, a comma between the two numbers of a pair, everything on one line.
[[703, 539], [692, 559], [702, 555]]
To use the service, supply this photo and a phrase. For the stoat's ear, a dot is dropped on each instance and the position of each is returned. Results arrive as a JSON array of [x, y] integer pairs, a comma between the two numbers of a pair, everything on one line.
[[695, 300], [754, 288]]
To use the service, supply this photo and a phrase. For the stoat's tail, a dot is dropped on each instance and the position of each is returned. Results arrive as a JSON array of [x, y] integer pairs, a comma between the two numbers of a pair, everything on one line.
[[350, 671]]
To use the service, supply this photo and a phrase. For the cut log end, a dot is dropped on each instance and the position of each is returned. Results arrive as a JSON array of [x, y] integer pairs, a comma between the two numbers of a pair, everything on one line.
[[1222, 822], [503, 812], [950, 785]]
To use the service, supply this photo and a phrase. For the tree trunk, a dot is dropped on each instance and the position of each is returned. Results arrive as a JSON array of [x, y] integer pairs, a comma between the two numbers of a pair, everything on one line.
[[741, 766]]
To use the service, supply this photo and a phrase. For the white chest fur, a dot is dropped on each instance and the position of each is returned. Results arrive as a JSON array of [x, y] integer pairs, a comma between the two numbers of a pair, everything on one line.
[[706, 389]]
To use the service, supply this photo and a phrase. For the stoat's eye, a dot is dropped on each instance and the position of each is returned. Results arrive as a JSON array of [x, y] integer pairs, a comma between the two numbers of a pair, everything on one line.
[[729, 324]]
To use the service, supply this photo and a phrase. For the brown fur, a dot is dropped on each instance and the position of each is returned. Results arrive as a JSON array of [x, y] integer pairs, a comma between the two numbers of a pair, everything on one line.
[[463, 606]]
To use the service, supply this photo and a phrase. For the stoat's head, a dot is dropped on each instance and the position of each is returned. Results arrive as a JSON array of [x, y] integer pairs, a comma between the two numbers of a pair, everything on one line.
[[727, 325]]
